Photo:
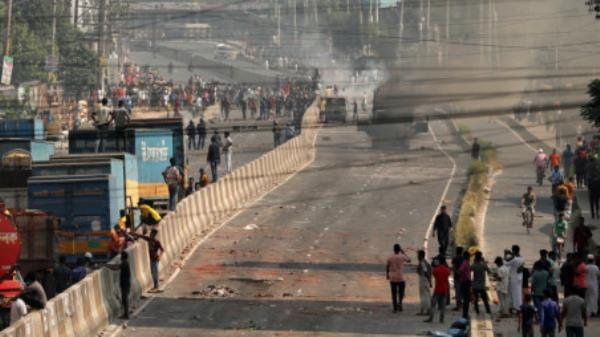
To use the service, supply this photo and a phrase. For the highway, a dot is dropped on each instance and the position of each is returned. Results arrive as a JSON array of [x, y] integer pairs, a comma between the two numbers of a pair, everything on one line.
[[309, 257]]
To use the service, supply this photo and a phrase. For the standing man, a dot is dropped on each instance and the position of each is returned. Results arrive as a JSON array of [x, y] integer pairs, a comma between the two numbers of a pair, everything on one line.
[[442, 225], [539, 283], [155, 250], [457, 261], [395, 274], [480, 270], [191, 133], [276, 134], [465, 284], [573, 316], [214, 158], [172, 177], [516, 264], [440, 273], [475, 149], [502, 277], [228, 151], [581, 236], [567, 160], [121, 119], [424, 272], [355, 111], [62, 275], [201, 133], [100, 120], [124, 282], [591, 292]]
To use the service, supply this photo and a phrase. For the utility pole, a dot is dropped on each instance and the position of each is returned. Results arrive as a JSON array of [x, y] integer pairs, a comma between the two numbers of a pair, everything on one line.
[[377, 11], [295, 20], [53, 29], [316, 13], [101, 43], [428, 15], [8, 27], [76, 13], [370, 11], [401, 18]]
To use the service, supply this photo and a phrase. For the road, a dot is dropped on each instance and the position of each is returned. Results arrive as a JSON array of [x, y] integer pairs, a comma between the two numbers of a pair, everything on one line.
[[314, 261]]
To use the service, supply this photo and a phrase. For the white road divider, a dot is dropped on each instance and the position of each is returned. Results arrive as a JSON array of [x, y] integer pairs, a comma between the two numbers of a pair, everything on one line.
[[88, 306]]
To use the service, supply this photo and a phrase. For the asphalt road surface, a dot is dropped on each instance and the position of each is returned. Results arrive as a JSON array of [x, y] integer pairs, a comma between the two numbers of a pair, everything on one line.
[[309, 257]]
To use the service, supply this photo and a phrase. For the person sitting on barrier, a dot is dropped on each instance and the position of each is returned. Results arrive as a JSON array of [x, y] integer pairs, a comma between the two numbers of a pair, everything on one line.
[[203, 180], [155, 250], [191, 188], [149, 217], [34, 294]]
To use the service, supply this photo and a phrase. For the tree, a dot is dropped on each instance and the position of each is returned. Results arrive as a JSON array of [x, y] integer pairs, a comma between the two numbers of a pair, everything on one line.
[[591, 110]]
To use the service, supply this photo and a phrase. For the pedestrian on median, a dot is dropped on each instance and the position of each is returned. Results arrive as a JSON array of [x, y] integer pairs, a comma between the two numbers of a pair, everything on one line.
[[549, 315], [465, 284], [502, 277], [480, 270], [573, 315], [276, 134], [593, 183], [173, 178], [442, 225], [440, 272], [554, 276], [395, 274], [457, 261], [228, 151], [527, 317], [191, 133], [554, 160], [424, 272], [567, 160], [516, 265], [155, 250], [475, 149], [201, 128], [580, 163], [214, 158], [591, 292], [580, 283], [203, 179]]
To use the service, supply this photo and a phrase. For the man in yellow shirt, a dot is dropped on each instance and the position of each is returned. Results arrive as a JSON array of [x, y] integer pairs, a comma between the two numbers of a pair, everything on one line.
[[149, 216]]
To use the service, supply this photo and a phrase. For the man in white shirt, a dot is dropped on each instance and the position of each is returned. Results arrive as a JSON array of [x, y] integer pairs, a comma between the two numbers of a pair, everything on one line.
[[516, 277], [172, 177], [18, 309], [502, 285]]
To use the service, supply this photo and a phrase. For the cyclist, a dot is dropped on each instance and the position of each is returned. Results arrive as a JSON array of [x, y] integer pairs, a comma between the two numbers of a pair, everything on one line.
[[541, 163], [528, 201], [559, 232]]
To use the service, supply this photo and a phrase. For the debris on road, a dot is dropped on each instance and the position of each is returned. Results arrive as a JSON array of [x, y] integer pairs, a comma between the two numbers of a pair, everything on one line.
[[216, 291], [343, 309], [250, 227]]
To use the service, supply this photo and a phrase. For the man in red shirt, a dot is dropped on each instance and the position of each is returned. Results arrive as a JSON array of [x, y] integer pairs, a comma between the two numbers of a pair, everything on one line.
[[440, 273], [554, 160], [580, 283], [395, 274]]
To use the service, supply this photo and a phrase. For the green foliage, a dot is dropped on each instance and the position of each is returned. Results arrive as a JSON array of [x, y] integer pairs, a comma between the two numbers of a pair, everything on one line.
[[591, 110], [32, 43], [464, 130]]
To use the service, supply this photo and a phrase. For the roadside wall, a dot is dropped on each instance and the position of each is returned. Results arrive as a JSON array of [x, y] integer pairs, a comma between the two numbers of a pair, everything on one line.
[[87, 307]]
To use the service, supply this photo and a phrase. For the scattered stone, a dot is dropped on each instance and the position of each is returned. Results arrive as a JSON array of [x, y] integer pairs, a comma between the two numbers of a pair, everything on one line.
[[217, 291], [287, 295], [250, 227]]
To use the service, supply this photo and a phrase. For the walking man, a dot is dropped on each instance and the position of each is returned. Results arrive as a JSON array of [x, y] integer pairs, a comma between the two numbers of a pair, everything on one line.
[[573, 315], [442, 225], [155, 250], [549, 315], [214, 158], [424, 272], [395, 274], [440, 273], [465, 284], [124, 282], [228, 151], [173, 178]]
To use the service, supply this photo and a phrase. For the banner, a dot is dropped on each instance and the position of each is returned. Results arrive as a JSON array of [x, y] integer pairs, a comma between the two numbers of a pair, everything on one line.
[[7, 68]]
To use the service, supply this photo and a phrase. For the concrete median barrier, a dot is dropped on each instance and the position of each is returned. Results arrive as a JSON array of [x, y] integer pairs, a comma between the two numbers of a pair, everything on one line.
[[87, 307]]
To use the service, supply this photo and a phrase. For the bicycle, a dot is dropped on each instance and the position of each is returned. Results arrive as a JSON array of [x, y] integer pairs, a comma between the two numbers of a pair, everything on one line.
[[528, 218]]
